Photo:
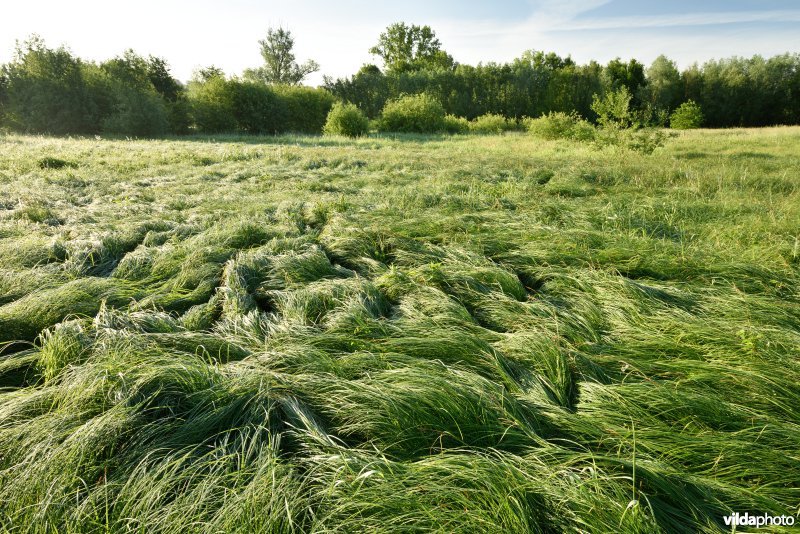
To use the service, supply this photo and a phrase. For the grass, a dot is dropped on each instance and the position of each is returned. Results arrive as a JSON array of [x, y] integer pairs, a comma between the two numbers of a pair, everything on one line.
[[398, 334]]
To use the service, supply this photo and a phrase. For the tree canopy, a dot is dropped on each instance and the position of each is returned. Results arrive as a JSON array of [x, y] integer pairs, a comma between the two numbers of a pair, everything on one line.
[[280, 66], [406, 48]]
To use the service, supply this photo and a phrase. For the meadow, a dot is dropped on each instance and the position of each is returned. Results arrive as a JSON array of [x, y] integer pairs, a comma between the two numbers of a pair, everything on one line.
[[398, 333]]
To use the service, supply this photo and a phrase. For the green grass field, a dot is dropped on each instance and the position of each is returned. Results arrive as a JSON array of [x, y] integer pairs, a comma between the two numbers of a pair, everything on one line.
[[467, 334]]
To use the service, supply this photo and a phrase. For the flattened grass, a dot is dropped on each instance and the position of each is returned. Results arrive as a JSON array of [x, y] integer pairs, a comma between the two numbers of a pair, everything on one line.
[[469, 334]]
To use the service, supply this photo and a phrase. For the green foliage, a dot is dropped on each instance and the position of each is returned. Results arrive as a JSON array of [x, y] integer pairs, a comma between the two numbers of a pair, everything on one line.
[[51, 91], [3, 96], [257, 108], [404, 48], [530, 86], [213, 105], [280, 66], [620, 75], [732, 92], [559, 125], [221, 105], [746, 91], [179, 114], [306, 108], [420, 113], [456, 125], [346, 119], [490, 123], [687, 116], [228, 105], [621, 127], [173, 93], [663, 89], [137, 113], [46, 91], [137, 108], [368, 89], [613, 109]]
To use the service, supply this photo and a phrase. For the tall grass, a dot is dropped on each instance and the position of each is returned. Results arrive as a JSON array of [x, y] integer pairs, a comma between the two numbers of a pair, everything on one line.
[[478, 334]]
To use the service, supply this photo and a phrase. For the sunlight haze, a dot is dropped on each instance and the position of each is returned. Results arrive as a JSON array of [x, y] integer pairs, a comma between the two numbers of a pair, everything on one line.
[[194, 34]]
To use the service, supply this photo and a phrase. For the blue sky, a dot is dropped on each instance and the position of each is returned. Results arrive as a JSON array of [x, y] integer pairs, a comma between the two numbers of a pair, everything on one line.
[[337, 34]]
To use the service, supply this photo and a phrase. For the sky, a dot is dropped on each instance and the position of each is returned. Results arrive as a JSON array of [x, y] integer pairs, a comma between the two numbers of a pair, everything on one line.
[[338, 34]]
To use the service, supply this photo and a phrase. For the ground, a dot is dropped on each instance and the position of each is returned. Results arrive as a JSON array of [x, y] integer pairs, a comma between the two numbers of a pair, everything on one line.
[[458, 334]]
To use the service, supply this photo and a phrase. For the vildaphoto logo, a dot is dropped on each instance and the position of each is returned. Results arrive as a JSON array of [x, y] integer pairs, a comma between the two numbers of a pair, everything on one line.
[[764, 520]]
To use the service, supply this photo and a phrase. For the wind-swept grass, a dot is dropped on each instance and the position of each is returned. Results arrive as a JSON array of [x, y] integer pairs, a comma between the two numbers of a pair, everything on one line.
[[473, 334]]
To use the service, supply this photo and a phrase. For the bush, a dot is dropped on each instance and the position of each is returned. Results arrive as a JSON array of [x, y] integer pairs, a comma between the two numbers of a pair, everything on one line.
[[212, 105], [689, 115], [420, 113], [46, 91], [137, 91], [220, 105], [138, 113], [179, 115], [490, 123], [306, 108], [642, 140], [346, 119], [257, 108], [3, 97], [455, 125], [560, 125], [645, 140]]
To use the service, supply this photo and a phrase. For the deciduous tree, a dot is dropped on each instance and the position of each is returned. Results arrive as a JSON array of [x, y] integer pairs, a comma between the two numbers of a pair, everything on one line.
[[280, 66]]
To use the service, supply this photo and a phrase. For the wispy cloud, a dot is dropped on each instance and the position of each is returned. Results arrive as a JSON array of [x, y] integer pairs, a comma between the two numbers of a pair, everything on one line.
[[555, 10], [683, 19]]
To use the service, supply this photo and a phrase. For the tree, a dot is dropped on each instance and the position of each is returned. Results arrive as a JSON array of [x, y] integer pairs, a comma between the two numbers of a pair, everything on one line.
[[3, 95], [539, 60], [663, 84], [205, 74], [404, 48], [280, 66], [137, 107], [163, 81], [46, 91], [613, 109], [368, 89], [629, 75]]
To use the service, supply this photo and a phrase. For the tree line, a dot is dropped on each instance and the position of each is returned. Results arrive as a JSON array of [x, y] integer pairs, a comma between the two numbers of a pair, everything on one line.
[[50, 90]]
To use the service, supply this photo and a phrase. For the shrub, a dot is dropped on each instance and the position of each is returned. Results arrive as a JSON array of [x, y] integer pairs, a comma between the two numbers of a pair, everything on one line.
[[3, 96], [138, 113], [420, 113], [622, 127], [46, 91], [257, 108], [490, 123], [613, 109], [689, 115], [212, 105], [306, 108], [455, 125], [179, 115], [135, 104], [643, 140], [346, 119], [560, 125]]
